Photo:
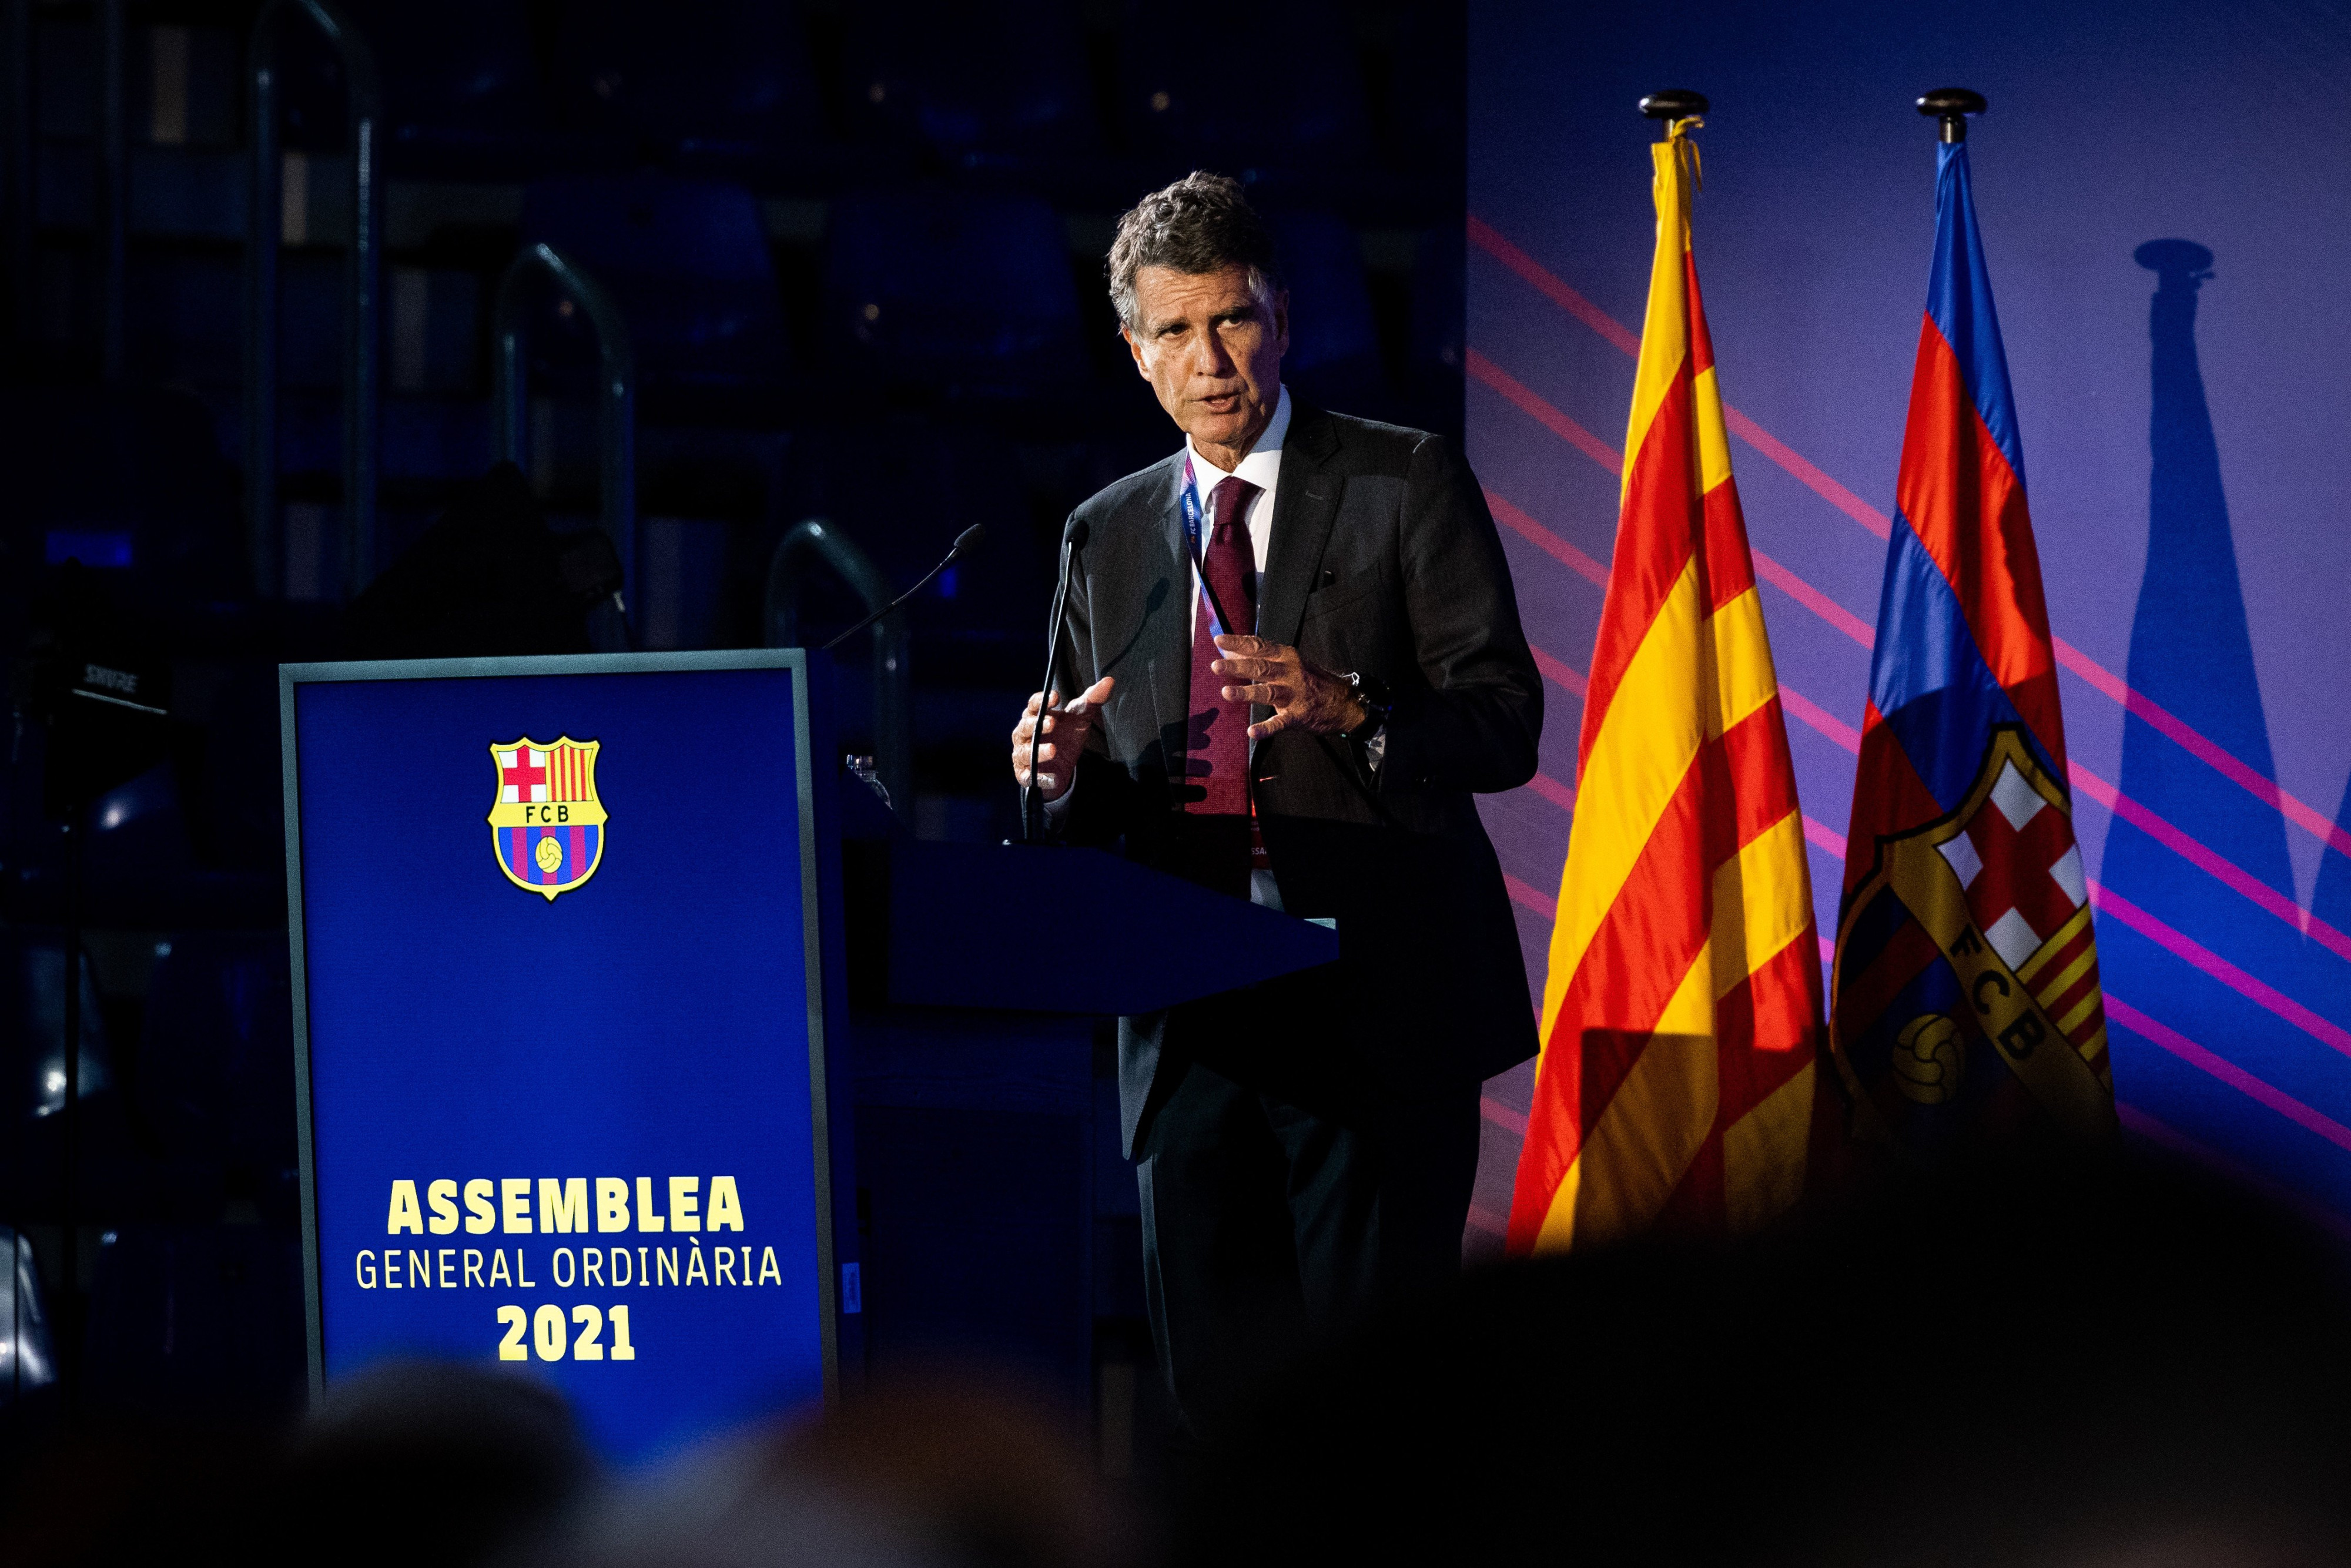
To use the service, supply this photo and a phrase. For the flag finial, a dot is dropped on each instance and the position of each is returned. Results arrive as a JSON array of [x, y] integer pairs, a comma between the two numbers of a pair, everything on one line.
[[1952, 106], [1674, 105]]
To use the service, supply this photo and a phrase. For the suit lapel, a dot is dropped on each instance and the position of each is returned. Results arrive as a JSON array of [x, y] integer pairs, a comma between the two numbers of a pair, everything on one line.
[[1305, 505]]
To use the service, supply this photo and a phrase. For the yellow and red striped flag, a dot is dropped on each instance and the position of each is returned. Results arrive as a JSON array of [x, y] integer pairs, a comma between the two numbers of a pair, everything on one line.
[[1682, 1011]]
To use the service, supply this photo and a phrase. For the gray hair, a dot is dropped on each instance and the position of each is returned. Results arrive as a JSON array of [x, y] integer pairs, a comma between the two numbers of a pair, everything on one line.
[[1200, 224]]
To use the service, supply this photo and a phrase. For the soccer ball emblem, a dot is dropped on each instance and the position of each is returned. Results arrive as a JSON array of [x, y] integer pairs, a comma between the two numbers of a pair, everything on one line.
[[1928, 1058]]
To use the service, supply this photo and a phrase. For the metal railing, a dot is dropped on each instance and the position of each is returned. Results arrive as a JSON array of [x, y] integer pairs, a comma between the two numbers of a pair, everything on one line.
[[109, 169], [362, 268], [893, 690], [616, 390]]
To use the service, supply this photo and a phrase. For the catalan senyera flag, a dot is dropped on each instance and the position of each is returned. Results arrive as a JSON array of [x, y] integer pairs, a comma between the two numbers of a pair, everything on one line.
[[1966, 978], [1682, 1013]]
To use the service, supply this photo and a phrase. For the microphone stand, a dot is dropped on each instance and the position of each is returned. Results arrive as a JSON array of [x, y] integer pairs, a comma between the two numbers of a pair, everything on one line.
[[965, 542], [1032, 799]]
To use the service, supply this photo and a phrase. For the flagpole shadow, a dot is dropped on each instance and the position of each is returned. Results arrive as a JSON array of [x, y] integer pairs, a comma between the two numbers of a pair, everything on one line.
[[2191, 653]]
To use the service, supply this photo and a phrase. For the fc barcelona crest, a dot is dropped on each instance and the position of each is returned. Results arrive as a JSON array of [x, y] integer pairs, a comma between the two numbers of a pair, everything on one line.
[[546, 824], [1997, 890]]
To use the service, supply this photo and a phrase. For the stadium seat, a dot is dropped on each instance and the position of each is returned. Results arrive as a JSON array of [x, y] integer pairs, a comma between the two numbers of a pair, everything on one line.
[[182, 843], [698, 80], [687, 262], [1181, 113], [196, 1319], [1334, 346], [461, 88], [215, 1076], [1428, 77], [978, 86], [127, 480], [903, 491], [962, 294], [113, 1172], [32, 1042]]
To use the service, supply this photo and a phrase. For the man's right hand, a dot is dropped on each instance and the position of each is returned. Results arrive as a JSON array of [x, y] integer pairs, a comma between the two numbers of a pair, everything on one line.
[[1065, 728]]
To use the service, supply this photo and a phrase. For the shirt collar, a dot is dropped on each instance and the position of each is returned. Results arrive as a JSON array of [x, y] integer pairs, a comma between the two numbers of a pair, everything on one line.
[[1262, 466]]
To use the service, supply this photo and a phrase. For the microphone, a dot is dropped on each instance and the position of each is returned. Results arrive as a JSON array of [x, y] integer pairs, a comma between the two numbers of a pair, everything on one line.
[[965, 542], [1032, 800]]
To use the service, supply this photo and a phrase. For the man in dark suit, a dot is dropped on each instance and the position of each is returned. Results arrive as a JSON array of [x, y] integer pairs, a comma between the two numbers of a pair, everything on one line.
[[1297, 655]]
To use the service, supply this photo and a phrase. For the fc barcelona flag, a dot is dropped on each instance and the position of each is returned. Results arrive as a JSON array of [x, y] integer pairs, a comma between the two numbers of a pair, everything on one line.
[[1966, 1000], [1682, 1011]]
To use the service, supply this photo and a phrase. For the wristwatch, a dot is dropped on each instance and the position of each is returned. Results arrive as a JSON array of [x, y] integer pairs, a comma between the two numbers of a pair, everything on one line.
[[1372, 692]]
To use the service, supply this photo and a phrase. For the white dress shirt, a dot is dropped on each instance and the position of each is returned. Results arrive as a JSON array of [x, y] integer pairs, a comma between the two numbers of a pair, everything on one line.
[[1262, 468]]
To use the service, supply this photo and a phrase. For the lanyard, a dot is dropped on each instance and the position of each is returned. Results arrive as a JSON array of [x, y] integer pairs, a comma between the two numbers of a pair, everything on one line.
[[1191, 504]]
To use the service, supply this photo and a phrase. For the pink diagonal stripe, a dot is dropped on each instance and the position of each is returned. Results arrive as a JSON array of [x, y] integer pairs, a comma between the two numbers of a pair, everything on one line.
[[1542, 538], [1486, 238], [1811, 713], [1542, 903], [1553, 288], [1557, 671], [1533, 404], [1553, 790], [2300, 813], [1813, 599], [1502, 1115], [2236, 879], [2228, 1073], [1826, 837], [2180, 945], [1820, 719], [1812, 478], [2296, 811], [2155, 1132], [1487, 1220]]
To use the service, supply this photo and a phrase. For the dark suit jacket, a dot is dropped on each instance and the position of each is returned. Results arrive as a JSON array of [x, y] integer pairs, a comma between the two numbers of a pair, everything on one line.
[[1383, 560]]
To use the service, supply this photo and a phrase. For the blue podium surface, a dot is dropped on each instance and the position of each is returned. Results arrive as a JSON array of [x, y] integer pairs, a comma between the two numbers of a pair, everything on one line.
[[967, 924], [559, 931]]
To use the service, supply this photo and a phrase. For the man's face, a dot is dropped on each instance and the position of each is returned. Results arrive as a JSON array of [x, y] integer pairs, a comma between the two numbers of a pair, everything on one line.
[[1211, 349]]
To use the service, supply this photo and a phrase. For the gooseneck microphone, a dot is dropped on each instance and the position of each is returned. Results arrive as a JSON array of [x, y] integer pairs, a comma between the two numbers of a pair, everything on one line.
[[1032, 800], [965, 542]]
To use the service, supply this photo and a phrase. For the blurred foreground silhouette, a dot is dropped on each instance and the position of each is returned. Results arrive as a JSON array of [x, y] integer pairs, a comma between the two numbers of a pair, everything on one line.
[[2049, 1363], [2042, 1363]]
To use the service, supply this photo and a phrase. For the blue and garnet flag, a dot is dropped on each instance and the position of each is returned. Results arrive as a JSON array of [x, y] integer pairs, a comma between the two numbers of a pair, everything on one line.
[[546, 823], [1965, 998]]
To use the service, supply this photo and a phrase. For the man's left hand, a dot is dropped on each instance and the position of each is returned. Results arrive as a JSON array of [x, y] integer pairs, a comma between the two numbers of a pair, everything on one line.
[[1301, 695]]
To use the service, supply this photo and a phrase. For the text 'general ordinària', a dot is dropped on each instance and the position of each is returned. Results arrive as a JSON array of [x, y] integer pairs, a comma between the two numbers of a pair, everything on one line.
[[677, 1207]]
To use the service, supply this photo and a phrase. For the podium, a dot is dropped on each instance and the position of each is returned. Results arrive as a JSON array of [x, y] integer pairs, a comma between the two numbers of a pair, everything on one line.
[[573, 947], [1013, 929]]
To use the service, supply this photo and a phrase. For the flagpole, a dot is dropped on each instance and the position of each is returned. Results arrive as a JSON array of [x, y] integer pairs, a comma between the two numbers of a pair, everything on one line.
[[1952, 106]]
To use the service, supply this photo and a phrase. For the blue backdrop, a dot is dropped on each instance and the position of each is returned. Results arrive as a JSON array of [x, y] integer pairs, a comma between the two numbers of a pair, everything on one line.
[[2155, 192], [651, 1023]]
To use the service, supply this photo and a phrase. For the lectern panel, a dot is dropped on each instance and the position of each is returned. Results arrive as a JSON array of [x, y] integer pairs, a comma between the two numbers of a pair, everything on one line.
[[559, 1011]]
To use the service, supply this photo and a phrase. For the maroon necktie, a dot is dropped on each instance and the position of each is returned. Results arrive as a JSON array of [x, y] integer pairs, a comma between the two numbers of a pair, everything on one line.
[[1215, 763]]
